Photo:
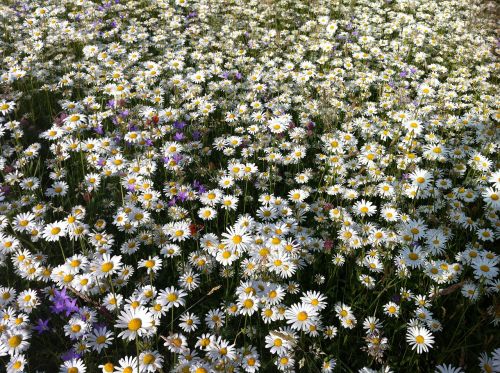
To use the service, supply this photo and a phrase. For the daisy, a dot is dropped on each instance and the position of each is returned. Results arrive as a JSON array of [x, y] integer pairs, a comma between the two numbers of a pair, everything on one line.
[[73, 366], [495, 356], [204, 341], [442, 368], [247, 305], [391, 309], [413, 126], [343, 311], [269, 314], [413, 257], [421, 178], [251, 362], [17, 363], [297, 195], [152, 264], [229, 202], [108, 367], [371, 324], [108, 265], [491, 197], [386, 190], [494, 178], [173, 297], [280, 263], [176, 343], [226, 257], [267, 213], [189, 322], [54, 231], [7, 106], [207, 213], [301, 316], [150, 361], [485, 268], [178, 231], [485, 234], [419, 338], [75, 119], [7, 295], [100, 339], [222, 349], [75, 328], [16, 341], [315, 299], [277, 125], [364, 208], [215, 319], [127, 364], [211, 197], [236, 239], [59, 188], [136, 322], [23, 222], [425, 90], [189, 280], [331, 28], [278, 343], [285, 362]]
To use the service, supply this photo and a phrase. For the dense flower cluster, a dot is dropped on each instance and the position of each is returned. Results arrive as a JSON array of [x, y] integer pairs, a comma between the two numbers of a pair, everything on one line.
[[242, 186]]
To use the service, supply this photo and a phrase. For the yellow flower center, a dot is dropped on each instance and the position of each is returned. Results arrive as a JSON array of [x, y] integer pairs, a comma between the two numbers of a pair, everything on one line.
[[76, 328], [148, 359], [484, 268], [172, 297], [15, 341], [302, 316], [106, 267], [134, 324]]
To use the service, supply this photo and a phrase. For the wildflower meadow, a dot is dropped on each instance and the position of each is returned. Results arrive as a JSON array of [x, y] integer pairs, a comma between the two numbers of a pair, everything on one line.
[[218, 186]]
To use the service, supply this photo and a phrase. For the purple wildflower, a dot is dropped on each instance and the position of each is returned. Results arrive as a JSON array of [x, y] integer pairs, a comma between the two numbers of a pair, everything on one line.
[[179, 125], [196, 135], [70, 354], [42, 326]]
